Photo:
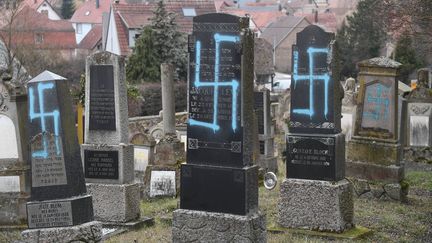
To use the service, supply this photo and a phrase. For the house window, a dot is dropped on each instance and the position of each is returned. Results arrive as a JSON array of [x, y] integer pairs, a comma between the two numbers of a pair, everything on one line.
[[44, 12], [39, 38], [79, 28], [189, 12]]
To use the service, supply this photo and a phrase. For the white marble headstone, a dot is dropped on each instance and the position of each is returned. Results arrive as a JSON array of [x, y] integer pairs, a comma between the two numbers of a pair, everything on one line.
[[141, 157], [162, 183], [8, 141], [10, 184]]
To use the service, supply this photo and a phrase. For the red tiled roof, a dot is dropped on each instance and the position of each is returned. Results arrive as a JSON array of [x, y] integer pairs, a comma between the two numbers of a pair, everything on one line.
[[326, 20], [88, 13], [261, 18], [134, 16], [58, 34], [93, 37], [34, 4]]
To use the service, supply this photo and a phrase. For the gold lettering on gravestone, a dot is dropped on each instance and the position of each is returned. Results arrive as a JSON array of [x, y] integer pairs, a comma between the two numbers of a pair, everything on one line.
[[48, 170]]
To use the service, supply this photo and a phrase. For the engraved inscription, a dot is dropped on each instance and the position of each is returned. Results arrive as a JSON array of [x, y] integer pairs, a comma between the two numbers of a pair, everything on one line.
[[48, 170], [102, 101], [46, 215], [101, 164]]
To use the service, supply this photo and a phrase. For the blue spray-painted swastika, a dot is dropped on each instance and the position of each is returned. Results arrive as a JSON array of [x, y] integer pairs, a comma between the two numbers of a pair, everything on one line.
[[311, 77], [380, 102], [42, 115], [234, 84]]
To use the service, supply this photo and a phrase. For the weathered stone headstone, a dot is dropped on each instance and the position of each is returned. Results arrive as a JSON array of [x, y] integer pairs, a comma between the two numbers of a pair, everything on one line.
[[374, 152], [266, 160], [315, 194], [59, 201], [108, 157], [419, 124], [169, 151], [219, 183], [14, 162]]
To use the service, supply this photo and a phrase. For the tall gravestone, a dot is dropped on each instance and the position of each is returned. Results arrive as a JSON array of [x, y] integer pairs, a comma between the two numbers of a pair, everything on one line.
[[14, 162], [374, 152], [315, 194], [419, 125], [60, 210], [219, 183], [108, 157], [267, 160]]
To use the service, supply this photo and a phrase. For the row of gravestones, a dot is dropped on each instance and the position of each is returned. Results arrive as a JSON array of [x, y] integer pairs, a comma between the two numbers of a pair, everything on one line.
[[219, 182]]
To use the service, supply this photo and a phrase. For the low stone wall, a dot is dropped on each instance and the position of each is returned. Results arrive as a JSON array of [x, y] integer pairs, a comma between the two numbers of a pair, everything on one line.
[[145, 124]]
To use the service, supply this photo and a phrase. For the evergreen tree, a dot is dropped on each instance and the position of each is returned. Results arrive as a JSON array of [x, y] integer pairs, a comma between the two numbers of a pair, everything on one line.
[[363, 36], [162, 42], [67, 9], [406, 54], [143, 64]]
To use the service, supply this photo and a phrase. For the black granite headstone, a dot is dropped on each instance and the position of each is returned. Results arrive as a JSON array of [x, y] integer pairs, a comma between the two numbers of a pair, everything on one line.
[[215, 129], [315, 106], [58, 193], [315, 149], [102, 101], [56, 163], [219, 176]]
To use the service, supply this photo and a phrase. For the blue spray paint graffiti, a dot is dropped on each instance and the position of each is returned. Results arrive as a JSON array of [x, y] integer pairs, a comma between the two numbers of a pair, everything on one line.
[[379, 101], [234, 84], [311, 77], [42, 115]]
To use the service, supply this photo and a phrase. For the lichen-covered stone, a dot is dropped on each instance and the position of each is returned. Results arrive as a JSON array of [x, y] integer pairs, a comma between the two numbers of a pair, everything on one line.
[[316, 205], [89, 232], [200, 226]]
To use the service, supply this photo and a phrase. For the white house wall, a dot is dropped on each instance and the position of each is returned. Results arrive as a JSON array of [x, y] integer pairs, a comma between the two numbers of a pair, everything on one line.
[[112, 42], [86, 27], [51, 13]]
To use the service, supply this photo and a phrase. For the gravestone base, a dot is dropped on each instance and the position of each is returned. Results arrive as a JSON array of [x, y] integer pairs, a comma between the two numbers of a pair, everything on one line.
[[125, 168], [380, 190], [418, 154], [13, 208], [269, 164], [375, 172], [316, 205], [60, 212], [87, 232], [201, 226], [115, 203], [374, 151]]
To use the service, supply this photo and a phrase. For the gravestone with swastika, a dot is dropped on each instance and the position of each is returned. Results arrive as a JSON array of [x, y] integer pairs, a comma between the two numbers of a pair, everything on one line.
[[315, 194], [219, 177], [315, 109], [58, 195]]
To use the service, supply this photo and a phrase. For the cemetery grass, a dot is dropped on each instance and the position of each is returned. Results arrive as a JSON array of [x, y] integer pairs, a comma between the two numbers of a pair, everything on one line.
[[389, 221]]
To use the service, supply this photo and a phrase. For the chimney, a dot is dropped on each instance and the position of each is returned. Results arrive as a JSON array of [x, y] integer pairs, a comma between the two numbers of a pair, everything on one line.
[[97, 3]]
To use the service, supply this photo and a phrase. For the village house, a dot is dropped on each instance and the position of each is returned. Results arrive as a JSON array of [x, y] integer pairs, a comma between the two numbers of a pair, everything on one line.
[[89, 14], [282, 35], [44, 7], [126, 21], [35, 30]]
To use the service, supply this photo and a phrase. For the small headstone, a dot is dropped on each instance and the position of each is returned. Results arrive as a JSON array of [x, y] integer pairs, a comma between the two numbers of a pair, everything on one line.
[[162, 183], [108, 157], [58, 193], [219, 183], [315, 145], [14, 162]]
